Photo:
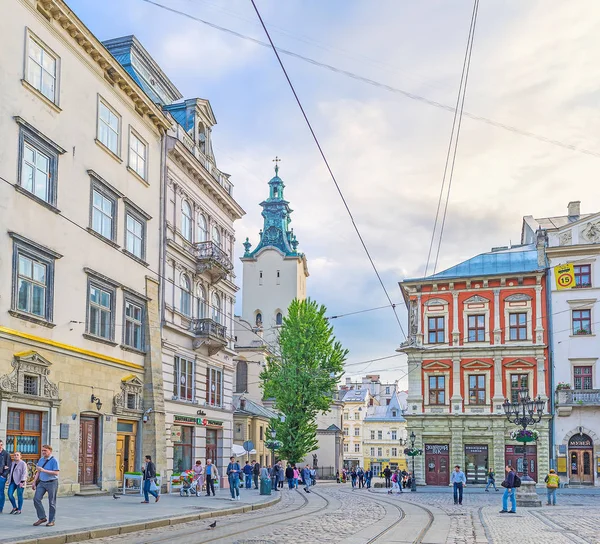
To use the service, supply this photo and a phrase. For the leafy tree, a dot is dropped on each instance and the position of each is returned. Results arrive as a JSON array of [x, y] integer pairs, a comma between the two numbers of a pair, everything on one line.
[[303, 377]]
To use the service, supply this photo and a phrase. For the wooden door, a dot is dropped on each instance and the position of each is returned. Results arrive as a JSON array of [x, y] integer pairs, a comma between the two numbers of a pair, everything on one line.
[[437, 459], [211, 445], [581, 467], [88, 442], [120, 458]]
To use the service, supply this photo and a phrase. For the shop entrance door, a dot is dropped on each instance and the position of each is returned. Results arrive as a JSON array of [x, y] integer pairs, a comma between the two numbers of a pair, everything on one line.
[[476, 463], [514, 458], [581, 449], [376, 468], [437, 459], [125, 448], [88, 454], [211, 445]]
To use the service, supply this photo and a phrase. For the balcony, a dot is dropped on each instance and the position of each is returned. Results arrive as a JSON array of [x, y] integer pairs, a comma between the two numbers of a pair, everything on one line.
[[210, 334], [566, 399], [210, 258]]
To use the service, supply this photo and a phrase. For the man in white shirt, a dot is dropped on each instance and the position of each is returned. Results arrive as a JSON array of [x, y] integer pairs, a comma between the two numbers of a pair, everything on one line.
[[458, 480]]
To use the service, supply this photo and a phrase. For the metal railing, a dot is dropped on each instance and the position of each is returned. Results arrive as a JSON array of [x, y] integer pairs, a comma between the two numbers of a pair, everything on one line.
[[207, 327], [209, 251], [578, 397]]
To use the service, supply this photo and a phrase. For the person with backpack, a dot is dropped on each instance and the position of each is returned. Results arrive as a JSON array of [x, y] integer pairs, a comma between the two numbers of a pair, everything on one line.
[[510, 483], [255, 474], [552, 483], [491, 480]]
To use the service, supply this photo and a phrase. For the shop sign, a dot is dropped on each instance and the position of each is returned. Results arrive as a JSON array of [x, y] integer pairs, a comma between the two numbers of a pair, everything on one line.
[[476, 449], [437, 449], [176, 432], [187, 420], [212, 422], [580, 442]]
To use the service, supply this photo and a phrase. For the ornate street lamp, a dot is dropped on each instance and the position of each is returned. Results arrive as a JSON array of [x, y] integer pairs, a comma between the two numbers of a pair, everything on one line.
[[273, 437], [524, 413], [413, 452]]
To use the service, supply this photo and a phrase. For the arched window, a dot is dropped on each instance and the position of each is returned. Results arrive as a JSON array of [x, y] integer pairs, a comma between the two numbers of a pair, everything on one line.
[[201, 302], [258, 319], [216, 310], [279, 318], [186, 296], [186, 221], [201, 228], [241, 377], [216, 235]]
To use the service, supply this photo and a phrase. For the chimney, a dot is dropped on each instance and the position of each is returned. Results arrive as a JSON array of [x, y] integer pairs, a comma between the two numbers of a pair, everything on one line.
[[540, 244], [574, 208]]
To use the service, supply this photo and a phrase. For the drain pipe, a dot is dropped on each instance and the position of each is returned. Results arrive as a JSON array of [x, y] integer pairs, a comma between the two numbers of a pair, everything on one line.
[[552, 395]]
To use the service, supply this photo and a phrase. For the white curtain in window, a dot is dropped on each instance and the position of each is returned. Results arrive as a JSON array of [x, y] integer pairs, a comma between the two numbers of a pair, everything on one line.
[[186, 221]]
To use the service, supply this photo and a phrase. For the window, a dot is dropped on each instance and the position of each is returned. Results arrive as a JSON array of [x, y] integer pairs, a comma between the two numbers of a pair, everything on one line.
[[182, 450], [437, 389], [356, 431], [372, 452], [137, 154], [103, 213], [183, 379], [394, 452], [517, 382], [517, 326], [476, 328], [186, 296], [101, 302], [346, 431], [394, 413], [582, 322], [379, 435], [131, 402], [30, 385], [436, 330], [201, 228], [134, 322], [24, 434], [379, 452], [42, 69], [216, 235], [241, 377], [356, 415], [214, 386], [278, 318], [109, 127], [259, 319], [186, 221], [582, 377], [356, 448], [261, 435], [346, 416], [345, 448], [216, 310], [135, 234], [387, 390], [260, 277], [477, 389], [38, 159], [278, 277], [201, 302], [394, 435], [372, 435], [583, 275]]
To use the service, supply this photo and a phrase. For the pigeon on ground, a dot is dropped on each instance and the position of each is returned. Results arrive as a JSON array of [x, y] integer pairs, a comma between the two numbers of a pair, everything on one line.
[[213, 525], [116, 496]]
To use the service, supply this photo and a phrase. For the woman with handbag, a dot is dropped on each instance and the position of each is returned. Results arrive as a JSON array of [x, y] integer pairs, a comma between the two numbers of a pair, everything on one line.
[[199, 476], [150, 487], [16, 482]]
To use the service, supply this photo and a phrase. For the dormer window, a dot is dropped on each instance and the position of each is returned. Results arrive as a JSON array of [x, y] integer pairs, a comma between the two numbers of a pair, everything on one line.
[[394, 413]]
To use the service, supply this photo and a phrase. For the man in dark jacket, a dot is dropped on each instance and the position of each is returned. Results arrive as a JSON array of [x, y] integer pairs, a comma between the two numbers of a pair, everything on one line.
[[289, 474], [5, 462], [387, 473], [256, 473], [369, 477], [149, 472], [247, 476], [509, 492]]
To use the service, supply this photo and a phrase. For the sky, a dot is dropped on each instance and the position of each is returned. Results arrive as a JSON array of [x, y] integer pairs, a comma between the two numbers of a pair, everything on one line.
[[531, 72]]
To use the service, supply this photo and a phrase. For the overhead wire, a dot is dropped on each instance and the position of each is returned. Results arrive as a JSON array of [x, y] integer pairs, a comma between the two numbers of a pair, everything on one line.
[[325, 160]]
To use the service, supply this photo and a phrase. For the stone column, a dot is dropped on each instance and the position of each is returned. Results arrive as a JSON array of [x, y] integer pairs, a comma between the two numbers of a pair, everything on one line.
[[497, 328], [539, 327], [456, 400], [457, 454], [455, 329], [153, 431], [498, 398], [541, 377]]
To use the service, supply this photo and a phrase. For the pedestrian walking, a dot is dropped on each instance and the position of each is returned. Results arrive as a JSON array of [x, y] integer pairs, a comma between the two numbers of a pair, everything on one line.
[[306, 478], [199, 476], [353, 477], [296, 476], [491, 480], [233, 474], [404, 475], [17, 478], [387, 473], [552, 482], [361, 477], [368, 477], [45, 481], [247, 475], [280, 474], [211, 474], [149, 477], [289, 474], [5, 463], [256, 473], [458, 481], [509, 484]]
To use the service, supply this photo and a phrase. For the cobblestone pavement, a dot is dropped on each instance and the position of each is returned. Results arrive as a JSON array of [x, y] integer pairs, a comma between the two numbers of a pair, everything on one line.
[[335, 514]]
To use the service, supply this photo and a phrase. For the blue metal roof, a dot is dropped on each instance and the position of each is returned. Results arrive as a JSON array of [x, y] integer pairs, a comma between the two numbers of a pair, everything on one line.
[[508, 261], [386, 413]]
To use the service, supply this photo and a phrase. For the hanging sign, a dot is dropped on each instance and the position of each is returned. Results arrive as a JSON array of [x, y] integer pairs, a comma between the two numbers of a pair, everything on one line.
[[564, 274], [176, 433]]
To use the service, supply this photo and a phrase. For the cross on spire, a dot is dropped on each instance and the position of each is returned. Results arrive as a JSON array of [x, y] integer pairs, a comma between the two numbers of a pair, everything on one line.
[[276, 160]]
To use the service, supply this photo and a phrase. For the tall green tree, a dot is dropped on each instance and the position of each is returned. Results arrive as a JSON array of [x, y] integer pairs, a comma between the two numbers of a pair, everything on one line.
[[303, 377]]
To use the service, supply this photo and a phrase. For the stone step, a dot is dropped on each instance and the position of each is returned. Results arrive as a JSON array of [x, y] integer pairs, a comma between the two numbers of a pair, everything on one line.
[[91, 491]]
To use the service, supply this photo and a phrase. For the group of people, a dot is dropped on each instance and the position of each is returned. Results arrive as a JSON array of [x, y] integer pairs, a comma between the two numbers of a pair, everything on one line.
[[14, 471]]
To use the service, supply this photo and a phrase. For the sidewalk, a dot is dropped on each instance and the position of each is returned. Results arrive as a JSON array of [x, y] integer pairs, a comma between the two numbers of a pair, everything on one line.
[[96, 517]]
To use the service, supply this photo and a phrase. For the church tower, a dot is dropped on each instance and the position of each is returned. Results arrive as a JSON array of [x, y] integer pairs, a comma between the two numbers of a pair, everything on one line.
[[274, 273]]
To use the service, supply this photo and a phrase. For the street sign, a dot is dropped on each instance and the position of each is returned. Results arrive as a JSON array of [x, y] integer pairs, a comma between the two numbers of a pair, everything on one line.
[[564, 275], [248, 445]]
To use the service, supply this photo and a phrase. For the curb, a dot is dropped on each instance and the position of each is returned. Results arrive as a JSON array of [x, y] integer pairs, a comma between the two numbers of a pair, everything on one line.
[[101, 532]]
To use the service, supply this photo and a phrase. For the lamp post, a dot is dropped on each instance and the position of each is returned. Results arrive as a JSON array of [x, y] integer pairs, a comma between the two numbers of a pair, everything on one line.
[[413, 452], [273, 437], [525, 412]]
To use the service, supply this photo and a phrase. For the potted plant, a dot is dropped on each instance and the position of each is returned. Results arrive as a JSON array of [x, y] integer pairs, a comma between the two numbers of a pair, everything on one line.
[[413, 452], [563, 385], [525, 435], [580, 332]]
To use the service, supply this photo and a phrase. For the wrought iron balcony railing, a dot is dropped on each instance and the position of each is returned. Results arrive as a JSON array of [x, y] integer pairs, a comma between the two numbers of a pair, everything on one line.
[[212, 259]]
